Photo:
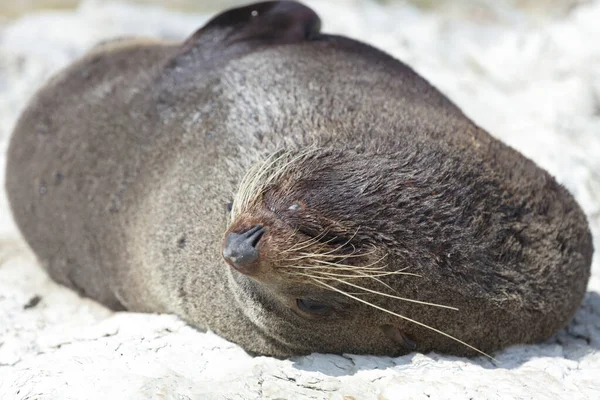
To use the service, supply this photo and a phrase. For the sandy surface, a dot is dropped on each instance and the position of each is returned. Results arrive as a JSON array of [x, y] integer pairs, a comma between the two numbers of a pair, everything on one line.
[[535, 83]]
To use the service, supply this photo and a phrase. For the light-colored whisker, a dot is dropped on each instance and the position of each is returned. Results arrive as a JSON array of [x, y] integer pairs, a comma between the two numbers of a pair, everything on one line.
[[335, 276], [326, 268], [330, 275], [250, 184], [329, 256], [366, 273], [357, 271], [260, 176], [307, 243], [341, 246], [316, 238], [368, 267], [335, 256], [301, 245], [395, 297], [402, 317], [361, 275], [383, 283]]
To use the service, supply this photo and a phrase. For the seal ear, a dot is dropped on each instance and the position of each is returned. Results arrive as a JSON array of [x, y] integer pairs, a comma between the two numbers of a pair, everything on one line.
[[267, 23]]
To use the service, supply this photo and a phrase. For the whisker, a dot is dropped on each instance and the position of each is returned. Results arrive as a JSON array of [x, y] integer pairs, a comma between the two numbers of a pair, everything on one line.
[[364, 267], [307, 243], [395, 297], [325, 268], [341, 246], [370, 272], [354, 276], [260, 176], [363, 275], [329, 256], [403, 317]]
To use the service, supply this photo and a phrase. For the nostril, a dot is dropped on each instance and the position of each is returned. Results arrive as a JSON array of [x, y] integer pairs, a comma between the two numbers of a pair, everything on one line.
[[252, 232], [255, 237], [240, 248]]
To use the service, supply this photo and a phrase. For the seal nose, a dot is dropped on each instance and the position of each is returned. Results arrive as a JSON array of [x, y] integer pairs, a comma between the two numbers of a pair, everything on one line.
[[240, 248]]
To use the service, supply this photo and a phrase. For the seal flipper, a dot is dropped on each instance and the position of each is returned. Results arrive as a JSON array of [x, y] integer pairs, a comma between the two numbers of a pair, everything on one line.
[[266, 23]]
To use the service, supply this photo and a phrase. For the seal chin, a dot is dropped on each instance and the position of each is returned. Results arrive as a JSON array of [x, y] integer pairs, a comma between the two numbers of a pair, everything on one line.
[[239, 249]]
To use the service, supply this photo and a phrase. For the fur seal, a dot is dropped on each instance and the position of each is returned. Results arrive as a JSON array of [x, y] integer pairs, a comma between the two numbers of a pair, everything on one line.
[[294, 192]]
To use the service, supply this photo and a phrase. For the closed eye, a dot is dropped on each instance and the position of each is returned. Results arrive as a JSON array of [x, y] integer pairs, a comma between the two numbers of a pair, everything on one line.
[[324, 237], [313, 307], [298, 220]]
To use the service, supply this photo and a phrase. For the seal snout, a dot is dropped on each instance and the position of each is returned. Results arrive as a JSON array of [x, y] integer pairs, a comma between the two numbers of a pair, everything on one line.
[[240, 248]]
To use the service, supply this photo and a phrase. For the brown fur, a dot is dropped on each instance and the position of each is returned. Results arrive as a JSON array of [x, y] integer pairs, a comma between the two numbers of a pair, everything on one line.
[[121, 168]]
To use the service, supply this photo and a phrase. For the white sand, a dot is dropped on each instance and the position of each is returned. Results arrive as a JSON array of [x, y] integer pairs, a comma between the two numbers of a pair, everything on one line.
[[533, 83]]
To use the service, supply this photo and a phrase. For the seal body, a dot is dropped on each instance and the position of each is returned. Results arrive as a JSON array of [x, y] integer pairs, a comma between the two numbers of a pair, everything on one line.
[[369, 214]]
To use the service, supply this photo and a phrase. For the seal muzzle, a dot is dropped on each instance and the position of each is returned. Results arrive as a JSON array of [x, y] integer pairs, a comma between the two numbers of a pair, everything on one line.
[[240, 248]]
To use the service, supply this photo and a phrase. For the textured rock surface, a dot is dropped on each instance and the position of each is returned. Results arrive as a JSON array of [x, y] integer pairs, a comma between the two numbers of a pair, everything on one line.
[[534, 82]]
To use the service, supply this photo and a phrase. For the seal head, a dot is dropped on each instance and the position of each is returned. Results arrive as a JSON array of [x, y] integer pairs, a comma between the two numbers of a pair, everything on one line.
[[375, 251]]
